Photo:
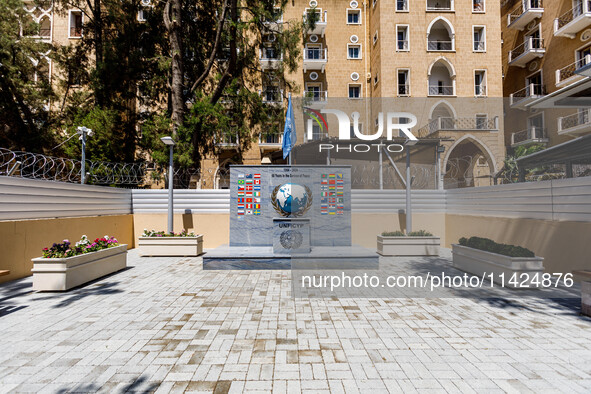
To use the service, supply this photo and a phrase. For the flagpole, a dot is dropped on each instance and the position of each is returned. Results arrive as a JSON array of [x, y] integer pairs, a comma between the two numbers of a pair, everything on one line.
[[289, 155]]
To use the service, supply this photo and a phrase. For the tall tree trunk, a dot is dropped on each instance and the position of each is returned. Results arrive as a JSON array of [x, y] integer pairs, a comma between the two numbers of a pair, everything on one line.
[[173, 24], [99, 53]]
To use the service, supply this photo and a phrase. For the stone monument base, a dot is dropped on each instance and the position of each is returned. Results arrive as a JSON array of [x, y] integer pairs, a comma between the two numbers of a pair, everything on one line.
[[262, 257]]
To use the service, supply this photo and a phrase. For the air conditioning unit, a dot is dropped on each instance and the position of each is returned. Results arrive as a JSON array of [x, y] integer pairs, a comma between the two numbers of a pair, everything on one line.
[[146, 3]]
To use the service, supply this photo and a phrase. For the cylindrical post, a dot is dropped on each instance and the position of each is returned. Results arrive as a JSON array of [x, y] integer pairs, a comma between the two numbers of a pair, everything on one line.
[[408, 203], [380, 158], [83, 169], [170, 192]]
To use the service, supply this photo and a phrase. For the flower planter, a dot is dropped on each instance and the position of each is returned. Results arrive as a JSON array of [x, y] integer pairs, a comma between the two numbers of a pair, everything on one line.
[[60, 274], [585, 291], [479, 262], [408, 246], [171, 246]]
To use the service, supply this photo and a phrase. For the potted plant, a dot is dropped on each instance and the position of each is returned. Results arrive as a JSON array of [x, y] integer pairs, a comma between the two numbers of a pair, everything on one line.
[[161, 243], [64, 266], [415, 243], [507, 265]]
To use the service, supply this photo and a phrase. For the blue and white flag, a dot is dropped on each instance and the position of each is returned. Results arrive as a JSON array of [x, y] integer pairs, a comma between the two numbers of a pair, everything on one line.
[[289, 132]]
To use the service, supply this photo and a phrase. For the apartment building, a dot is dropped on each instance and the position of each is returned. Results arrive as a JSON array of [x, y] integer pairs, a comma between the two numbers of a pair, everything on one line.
[[437, 59], [546, 56]]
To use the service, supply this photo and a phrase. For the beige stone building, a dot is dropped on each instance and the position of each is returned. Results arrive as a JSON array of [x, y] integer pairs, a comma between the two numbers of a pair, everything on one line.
[[546, 48], [437, 59]]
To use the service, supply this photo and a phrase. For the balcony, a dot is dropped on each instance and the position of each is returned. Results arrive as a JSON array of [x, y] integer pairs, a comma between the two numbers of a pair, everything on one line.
[[315, 98], [521, 98], [533, 135], [440, 6], [531, 49], [227, 140], [576, 124], [442, 90], [315, 59], [573, 21], [275, 21], [270, 141], [459, 124], [522, 16], [571, 73], [270, 58], [440, 46], [272, 96], [320, 25]]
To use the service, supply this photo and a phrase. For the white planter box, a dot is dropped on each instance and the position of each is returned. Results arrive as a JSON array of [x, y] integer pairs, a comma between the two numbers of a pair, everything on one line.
[[66, 273], [171, 246], [479, 262], [408, 246]]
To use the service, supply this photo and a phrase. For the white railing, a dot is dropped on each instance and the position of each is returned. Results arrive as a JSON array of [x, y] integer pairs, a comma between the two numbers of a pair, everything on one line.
[[526, 5], [316, 96], [322, 17], [459, 124], [270, 55], [315, 54], [478, 6], [401, 5], [436, 45], [437, 90], [528, 45], [479, 46], [532, 134], [271, 139], [581, 118], [272, 96], [440, 5], [571, 70], [479, 90], [404, 90], [402, 45], [582, 7], [530, 91]]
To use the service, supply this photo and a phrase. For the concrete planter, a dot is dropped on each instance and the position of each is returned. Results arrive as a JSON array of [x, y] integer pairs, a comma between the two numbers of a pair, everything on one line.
[[66, 273], [479, 262], [408, 246], [171, 246]]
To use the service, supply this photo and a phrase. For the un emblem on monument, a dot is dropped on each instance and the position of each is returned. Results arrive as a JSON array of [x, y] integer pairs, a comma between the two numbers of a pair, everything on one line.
[[291, 239], [291, 199]]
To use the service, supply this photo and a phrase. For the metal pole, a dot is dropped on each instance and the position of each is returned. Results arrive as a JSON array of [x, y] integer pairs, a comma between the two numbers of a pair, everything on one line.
[[170, 192], [381, 167], [83, 169], [408, 202], [437, 168]]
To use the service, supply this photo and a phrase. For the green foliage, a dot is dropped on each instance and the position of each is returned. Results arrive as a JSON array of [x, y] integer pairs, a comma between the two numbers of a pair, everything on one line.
[[420, 233], [25, 90], [154, 233], [489, 245], [398, 233], [393, 234]]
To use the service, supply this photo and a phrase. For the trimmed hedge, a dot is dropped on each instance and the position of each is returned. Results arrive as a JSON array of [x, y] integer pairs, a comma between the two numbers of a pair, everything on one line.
[[488, 245], [420, 233]]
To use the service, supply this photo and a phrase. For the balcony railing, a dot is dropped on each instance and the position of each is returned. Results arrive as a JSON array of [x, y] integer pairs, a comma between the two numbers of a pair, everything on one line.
[[479, 90], [45, 33], [576, 123], [315, 96], [75, 32], [478, 6], [524, 53], [529, 10], [402, 45], [479, 46], [440, 5], [459, 124], [320, 25], [270, 58], [440, 90], [270, 139], [574, 20], [404, 90], [570, 71], [401, 5], [532, 135], [272, 96], [435, 45], [315, 59], [227, 140], [522, 96]]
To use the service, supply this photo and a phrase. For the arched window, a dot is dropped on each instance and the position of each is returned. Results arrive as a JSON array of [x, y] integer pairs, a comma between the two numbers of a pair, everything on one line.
[[440, 36], [442, 78]]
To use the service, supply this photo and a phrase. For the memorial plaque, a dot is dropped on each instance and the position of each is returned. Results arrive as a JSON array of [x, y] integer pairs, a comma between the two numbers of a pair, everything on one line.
[[291, 236]]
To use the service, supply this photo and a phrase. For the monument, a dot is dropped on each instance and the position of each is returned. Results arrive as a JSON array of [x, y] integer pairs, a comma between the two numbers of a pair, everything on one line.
[[290, 217]]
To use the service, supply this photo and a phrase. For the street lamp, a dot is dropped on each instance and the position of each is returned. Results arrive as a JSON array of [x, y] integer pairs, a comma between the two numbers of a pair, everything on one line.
[[83, 132], [170, 142]]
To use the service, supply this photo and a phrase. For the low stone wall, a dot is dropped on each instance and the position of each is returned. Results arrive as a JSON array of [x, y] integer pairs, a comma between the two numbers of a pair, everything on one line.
[[22, 240]]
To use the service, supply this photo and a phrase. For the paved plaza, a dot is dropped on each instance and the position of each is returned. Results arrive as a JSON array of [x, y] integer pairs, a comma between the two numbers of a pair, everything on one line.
[[165, 325]]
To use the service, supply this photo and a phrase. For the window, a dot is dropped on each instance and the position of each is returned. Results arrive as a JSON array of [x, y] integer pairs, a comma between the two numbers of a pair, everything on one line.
[[314, 52], [142, 15], [353, 17], [354, 91], [374, 3], [401, 5], [353, 51], [479, 33], [352, 132], [481, 121], [478, 6], [270, 52], [403, 82], [583, 56], [376, 79], [480, 83], [375, 37], [75, 22], [534, 84], [402, 41]]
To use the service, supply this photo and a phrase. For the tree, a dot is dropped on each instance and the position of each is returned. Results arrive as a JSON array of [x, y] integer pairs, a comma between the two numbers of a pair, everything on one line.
[[25, 90]]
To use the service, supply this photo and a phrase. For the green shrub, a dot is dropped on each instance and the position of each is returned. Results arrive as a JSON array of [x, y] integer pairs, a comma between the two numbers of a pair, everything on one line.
[[488, 245], [419, 233]]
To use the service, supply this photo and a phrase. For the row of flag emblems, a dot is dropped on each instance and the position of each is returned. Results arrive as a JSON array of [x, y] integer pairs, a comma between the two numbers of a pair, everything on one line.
[[332, 197], [249, 194]]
